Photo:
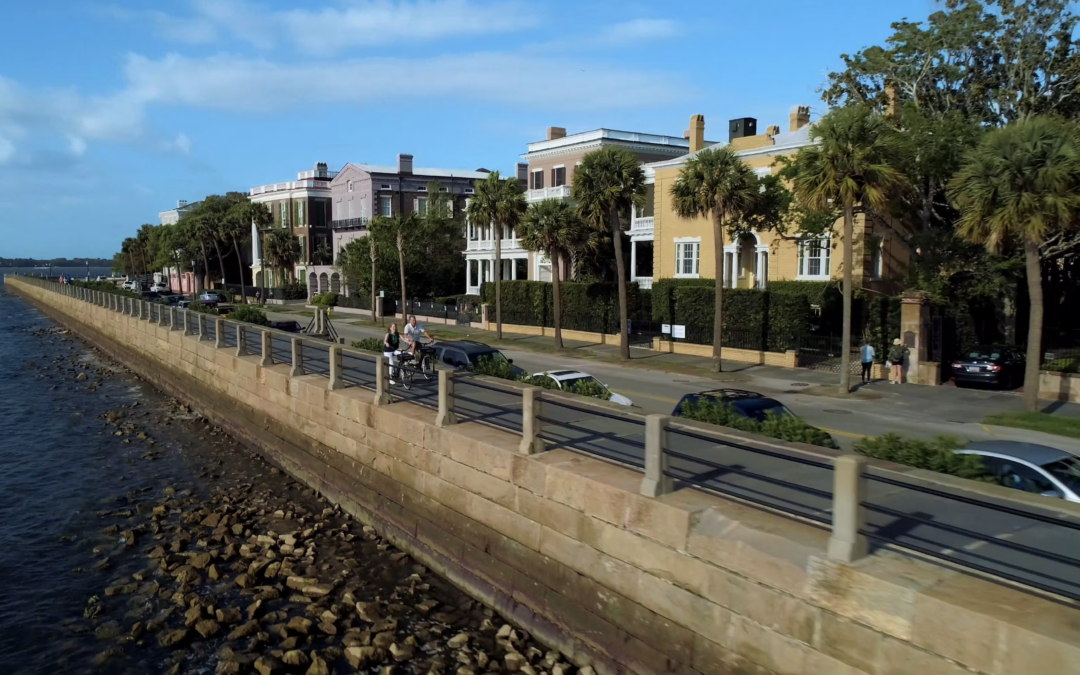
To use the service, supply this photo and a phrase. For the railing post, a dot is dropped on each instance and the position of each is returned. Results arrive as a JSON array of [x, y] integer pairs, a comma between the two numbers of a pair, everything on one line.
[[173, 313], [656, 481], [846, 544], [382, 395], [187, 322], [267, 350], [144, 310], [202, 326], [162, 315], [335, 368], [219, 333], [241, 340], [446, 415], [530, 422], [297, 358]]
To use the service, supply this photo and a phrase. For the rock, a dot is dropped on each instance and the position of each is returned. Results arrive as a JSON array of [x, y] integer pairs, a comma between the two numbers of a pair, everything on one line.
[[244, 630], [514, 661], [427, 605], [402, 652], [561, 669], [81, 377], [318, 666], [358, 657], [211, 520], [173, 638], [137, 630], [108, 630], [103, 657], [207, 628], [253, 609], [213, 573], [242, 580], [328, 617], [465, 671], [229, 615], [295, 657], [298, 583], [458, 641], [504, 631], [158, 552], [587, 670], [269, 665], [482, 659], [328, 628], [228, 667], [317, 590], [299, 624], [200, 560], [527, 670]]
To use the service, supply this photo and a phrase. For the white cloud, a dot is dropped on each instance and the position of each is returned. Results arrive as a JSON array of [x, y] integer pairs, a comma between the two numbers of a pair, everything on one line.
[[76, 145], [188, 30], [7, 150], [181, 144], [640, 29]]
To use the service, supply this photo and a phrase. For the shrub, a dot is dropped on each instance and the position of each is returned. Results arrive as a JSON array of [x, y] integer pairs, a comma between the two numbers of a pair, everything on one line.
[[786, 428], [503, 370], [202, 309], [590, 388], [1068, 364], [249, 314], [355, 301], [592, 306], [328, 299], [106, 286], [492, 367], [937, 455], [369, 344], [292, 290]]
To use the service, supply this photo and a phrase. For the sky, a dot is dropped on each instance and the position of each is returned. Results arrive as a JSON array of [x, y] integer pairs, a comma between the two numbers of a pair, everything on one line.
[[112, 111]]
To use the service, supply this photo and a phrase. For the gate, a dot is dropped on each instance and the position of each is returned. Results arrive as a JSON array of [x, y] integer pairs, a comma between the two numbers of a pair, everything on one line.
[[642, 333], [822, 352]]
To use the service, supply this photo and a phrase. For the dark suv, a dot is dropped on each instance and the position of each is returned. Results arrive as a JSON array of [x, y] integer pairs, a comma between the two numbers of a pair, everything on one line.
[[460, 354], [746, 403]]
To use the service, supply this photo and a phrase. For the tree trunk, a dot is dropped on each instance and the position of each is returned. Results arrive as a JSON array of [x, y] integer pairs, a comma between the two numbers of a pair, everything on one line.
[[845, 339], [372, 253], [401, 265], [240, 267], [557, 300], [496, 228], [221, 261], [205, 264], [620, 271], [718, 306], [1033, 266]]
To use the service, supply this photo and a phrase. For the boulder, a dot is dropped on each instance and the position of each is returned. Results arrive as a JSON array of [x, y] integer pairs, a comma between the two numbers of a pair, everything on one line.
[[358, 657], [458, 641], [317, 590], [207, 628], [318, 666], [295, 657], [211, 520], [213, 573], [192, 616], [514, 661], [173, 638], [199, 561], [328, 628], [402, 652], [103, 657], [229, 615], [269, 665], [298, 583], [108, 630], [244, 630], [299, 624]]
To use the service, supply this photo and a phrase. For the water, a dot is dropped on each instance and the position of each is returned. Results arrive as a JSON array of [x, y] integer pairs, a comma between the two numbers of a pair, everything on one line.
[[76, 484], [76, 272]]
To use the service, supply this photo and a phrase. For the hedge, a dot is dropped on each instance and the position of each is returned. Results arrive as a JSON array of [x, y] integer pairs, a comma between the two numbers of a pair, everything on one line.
[[592, 307], [783, 427], [937, 455]]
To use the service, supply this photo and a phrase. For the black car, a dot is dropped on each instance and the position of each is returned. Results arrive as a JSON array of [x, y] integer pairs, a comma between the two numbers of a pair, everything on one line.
[[287, 326], [747, 403], [460, 354], [999, 366], [172, 300], [150, 295]]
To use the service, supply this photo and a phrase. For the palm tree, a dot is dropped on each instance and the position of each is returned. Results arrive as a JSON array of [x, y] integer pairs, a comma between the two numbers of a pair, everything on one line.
[[1022, 182], [402, 229], [236, 226], [608, 184], [501, 204], [128, 248], [716, 183], [853, 165], [552, 226], [282, 250]]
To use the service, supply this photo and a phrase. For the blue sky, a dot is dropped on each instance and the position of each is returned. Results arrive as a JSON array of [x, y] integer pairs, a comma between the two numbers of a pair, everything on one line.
[[111, 111]]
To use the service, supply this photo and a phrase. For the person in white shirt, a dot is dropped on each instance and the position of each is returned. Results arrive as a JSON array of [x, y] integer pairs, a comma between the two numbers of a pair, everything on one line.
[[413, 331]]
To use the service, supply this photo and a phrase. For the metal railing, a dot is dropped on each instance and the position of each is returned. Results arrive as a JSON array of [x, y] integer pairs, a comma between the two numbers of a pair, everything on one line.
[[865, 504]]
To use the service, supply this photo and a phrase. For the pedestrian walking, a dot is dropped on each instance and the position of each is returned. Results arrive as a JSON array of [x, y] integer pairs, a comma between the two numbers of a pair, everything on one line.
[[868, 354], [258, 297], [897, 354]]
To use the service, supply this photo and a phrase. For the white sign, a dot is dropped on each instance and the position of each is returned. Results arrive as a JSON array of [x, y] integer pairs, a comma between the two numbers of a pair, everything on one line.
[[666, 329], [678, 332]]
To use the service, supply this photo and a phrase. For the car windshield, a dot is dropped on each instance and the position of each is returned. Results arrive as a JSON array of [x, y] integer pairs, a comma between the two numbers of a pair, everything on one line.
[[985, 354], [759, 408], [1067, 471], [571, 381], [497, 357]]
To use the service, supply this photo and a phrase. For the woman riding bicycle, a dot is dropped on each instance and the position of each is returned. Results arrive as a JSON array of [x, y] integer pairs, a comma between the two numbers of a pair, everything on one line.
[[392, 349]]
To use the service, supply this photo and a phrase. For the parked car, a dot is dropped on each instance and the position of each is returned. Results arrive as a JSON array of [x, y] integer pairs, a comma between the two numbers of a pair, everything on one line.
[[171, 299], [159, 288], [287, 326], [150, 295], [1000, 366], [746, 403], [565, 379], [1038, 469], [183, 304], [460, 354], [132, 285], [206, 297]]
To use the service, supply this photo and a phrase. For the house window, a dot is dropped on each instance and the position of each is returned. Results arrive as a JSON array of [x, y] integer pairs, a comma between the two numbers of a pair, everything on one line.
[[350, 186], [687, 258], [384, 206], [538, 179], [814, 258], [300, 214], [421, 205], [558, 176], [876, 258], [283, 214], [386, 186]]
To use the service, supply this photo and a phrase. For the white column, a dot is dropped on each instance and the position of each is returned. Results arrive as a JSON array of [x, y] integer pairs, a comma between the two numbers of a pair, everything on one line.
[[468, 274], [513, 269], [633, 260]]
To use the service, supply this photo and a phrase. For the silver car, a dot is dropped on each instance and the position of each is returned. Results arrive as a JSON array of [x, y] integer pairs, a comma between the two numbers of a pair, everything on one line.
[[1029, 467]]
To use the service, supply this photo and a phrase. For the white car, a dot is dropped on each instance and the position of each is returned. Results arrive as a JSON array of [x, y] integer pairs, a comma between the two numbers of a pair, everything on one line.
[[132, 285], [159, 288], [1038, 469], [565, 379]]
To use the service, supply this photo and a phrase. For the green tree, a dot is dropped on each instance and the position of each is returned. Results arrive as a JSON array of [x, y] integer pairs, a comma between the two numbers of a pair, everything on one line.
[[1022, 182], [716, 183], [553, 226], [501, 204], [282, 250], [853, 165], [607, 185], [237, 226]]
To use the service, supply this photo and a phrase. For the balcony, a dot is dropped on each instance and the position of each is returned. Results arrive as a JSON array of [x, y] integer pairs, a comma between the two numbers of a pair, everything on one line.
[[486, 245], [644, 283], [290, 185], [641, 229], [560, 192], [350, 224]]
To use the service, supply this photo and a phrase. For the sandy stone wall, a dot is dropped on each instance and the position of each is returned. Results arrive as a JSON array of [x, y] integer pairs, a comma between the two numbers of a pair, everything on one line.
[[564, 545]]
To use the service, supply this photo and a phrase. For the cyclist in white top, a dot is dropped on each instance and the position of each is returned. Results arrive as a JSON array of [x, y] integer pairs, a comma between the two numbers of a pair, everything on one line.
[[413, 332]]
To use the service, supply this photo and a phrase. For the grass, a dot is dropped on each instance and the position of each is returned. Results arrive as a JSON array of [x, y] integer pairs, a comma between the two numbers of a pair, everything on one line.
[[1050, 424]]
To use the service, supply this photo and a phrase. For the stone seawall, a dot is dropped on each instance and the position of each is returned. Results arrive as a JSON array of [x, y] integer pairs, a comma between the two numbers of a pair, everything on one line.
[[565, 546]]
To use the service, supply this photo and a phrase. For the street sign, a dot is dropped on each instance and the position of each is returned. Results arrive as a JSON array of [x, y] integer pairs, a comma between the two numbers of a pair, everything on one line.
[[666, 329], [678, 332]]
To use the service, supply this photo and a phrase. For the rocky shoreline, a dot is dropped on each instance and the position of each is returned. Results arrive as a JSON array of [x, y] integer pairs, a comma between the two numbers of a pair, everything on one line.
[[254, 573]]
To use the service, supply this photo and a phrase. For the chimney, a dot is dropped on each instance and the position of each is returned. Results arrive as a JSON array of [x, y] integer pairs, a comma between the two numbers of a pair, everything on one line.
[[686, 133], [741, 128], [697, 132], [800, 117], [892, 104], [321, 170], [523, 169], [555, 132], [772, 131], [404, 164]]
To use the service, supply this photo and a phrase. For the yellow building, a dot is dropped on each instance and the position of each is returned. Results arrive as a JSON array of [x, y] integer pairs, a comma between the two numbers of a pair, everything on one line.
[[683, 248]]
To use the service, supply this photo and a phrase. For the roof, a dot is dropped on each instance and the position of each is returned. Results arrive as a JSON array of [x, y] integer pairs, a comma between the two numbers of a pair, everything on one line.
[[420, 172], [783, 143], [1039, 455]]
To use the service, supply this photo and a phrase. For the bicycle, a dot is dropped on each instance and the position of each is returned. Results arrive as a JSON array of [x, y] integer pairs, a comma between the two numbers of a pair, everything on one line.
[[425, 355], [401, 374]]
